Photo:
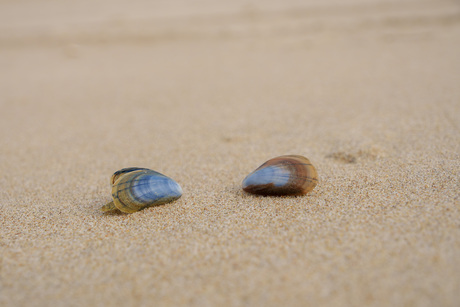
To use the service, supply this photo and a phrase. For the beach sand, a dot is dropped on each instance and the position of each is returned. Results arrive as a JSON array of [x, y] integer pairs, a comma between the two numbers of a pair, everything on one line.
[[369, 91]]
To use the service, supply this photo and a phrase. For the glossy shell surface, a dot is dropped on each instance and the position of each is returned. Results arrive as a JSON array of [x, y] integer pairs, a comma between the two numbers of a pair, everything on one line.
[[134, 189], [284, 175]]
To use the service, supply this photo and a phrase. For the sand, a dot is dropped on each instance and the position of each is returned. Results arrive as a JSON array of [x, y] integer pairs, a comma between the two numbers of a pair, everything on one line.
[[369, 91]]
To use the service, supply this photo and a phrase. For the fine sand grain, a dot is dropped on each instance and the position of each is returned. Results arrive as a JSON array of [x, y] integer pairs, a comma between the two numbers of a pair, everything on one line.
[[369, 91]]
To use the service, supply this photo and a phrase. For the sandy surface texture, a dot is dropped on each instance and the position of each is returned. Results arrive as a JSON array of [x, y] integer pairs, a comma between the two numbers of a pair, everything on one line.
[[369, 91]]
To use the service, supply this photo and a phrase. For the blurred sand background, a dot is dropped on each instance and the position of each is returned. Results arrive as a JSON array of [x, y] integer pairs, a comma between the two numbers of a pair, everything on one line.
[[204, 92]]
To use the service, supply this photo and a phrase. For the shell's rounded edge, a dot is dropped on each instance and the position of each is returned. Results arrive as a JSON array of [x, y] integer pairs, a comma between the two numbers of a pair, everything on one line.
[[284, 175], [135, 189], [124, 171], [121, 187]]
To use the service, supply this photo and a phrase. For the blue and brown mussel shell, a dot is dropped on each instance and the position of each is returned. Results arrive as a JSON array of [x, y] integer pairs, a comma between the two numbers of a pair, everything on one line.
[[284, 175], [134, 189]]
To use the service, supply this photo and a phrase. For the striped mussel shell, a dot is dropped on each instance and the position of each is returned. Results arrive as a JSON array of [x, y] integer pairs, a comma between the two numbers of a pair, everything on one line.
[[135, 188], [284, 175]]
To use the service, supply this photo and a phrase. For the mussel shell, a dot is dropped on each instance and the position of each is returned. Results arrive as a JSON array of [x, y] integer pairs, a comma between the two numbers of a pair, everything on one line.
[[284, 175], [134, 189]]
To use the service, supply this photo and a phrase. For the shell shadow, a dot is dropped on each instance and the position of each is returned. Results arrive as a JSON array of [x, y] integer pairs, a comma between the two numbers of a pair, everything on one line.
[[120, 213], [239, 192]]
